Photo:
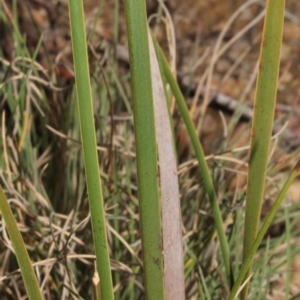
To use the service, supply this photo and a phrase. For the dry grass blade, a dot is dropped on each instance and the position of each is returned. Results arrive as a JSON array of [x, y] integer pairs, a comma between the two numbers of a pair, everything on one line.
[[171, 219]]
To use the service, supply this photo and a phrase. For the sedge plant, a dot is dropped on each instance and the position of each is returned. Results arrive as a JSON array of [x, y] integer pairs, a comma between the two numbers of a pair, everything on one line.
[[146, 144]]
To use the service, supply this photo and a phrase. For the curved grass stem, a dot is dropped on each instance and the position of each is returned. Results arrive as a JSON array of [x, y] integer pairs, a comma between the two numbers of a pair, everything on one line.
[[248, 260]]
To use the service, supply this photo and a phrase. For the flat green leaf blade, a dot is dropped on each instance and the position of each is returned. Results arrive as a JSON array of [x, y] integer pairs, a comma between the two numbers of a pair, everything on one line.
[[266, 89]]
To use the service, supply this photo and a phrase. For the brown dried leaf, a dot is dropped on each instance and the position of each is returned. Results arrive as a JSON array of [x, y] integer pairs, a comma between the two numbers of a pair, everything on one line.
[[171, 218]]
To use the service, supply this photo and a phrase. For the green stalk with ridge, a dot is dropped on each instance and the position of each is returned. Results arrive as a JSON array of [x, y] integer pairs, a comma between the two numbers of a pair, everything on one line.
[[146, 152], [86, 117]]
